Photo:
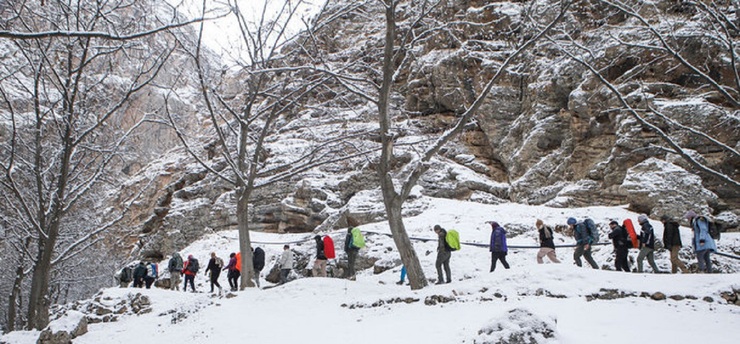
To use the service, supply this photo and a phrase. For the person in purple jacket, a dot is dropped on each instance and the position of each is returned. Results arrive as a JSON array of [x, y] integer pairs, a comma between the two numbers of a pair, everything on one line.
[[498, 245]]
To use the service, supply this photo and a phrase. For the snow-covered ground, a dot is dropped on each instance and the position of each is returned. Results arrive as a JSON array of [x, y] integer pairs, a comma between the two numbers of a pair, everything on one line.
[[548, 303]]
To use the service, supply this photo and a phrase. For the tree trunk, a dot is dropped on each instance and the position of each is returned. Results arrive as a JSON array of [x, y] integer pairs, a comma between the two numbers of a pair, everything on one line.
[[403, 243], [14, 299], [245, 243], [38, 299]]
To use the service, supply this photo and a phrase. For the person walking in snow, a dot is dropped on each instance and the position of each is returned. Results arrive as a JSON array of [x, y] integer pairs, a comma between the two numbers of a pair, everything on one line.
[[703, 243], [174, 266], [620, 241], [547, 245], [125, 276], [286, 264], [190, 269], [444, 253], [258, 263], [647, 244], [672, 242], [151, 274], [139, 274], [583, 243], [319, 265], [403, 275], [234, 273], [498, 247], [214, 266], [351, 250]]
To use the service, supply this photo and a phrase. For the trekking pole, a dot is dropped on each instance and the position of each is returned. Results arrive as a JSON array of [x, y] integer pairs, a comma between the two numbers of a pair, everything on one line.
[[727, 255]]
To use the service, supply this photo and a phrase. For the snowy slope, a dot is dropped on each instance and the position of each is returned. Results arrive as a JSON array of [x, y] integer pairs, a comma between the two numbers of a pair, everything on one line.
[[548, 303]]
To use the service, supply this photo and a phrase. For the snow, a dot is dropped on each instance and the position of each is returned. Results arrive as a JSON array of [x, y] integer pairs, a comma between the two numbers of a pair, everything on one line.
[[548, 303]]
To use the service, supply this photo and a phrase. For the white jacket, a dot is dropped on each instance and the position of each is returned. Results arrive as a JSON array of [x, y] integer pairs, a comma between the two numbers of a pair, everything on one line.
[[286, 260]]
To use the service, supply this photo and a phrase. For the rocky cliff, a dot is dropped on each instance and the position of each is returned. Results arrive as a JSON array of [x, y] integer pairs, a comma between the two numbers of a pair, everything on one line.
[[551, 132]]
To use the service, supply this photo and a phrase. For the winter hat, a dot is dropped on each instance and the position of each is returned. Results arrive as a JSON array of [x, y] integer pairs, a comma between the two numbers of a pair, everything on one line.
[[493, 224], [318, 237], [689, 215], [642, 218], [190, 256], [665, 218], [572, 221], [614, 223], [539, 223]]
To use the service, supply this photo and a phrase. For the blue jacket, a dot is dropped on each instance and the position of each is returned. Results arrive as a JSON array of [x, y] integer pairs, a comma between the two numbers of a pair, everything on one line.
[[647, 236], [702, 240], [498, 239], [581, 234]]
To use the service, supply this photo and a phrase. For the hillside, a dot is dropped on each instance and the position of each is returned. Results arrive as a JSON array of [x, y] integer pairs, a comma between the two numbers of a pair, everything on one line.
[[549, 303]]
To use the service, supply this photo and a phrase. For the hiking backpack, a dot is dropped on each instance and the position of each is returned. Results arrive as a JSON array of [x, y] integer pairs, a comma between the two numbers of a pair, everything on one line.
[[592, 230], [452, 238], [713, 228], [127, 274], [634, 241], [151, 270], [219, 263], [193, 266], [358, 241], [329, 248]]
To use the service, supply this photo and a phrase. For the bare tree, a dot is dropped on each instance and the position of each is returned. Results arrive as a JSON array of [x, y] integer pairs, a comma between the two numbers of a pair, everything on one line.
[[397, 53], [74, 68], [245, 120]]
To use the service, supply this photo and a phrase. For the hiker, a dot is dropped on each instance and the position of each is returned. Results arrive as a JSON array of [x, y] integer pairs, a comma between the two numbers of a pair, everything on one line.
[[233, 274], [214, 266], [498, 247], [319, 265], [443, 255], [151, 274], [583, 242], [175, 268], [647, 244], [403, 275], [702, 241], [139, 274], [286, 264], [672, 242], [258, 263], [351, 247], [190, 269], [547, 245], [620, 240], [125, 276]]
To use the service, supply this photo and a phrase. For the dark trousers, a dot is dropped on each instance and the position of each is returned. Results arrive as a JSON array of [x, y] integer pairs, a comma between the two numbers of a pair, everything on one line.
[[234, 279], [498, 256], [284, 275], [621, 263], [214, 279], [191, 279], [443, 260], [138, 282], [148, 281], [581, 251], [351, 259]]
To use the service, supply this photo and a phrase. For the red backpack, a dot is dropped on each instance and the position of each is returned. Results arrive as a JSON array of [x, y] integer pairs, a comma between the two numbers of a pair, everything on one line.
[[329, 247]]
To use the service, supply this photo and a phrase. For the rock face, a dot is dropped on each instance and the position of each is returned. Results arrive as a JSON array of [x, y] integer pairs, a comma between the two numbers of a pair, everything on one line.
[[61, 331], [550, 132]]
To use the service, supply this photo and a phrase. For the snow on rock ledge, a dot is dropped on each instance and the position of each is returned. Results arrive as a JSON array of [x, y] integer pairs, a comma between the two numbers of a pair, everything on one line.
[[657, 187], [61, 331]]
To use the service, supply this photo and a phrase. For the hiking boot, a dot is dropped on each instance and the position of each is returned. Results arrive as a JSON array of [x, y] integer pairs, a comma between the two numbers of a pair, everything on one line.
[[439, 282], [399, 282]]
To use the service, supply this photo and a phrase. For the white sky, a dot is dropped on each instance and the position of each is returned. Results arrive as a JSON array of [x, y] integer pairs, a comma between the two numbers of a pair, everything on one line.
[[223, 35]]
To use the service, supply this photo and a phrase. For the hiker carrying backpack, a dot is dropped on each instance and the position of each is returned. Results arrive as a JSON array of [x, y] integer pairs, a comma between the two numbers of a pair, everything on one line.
[[452, 238]]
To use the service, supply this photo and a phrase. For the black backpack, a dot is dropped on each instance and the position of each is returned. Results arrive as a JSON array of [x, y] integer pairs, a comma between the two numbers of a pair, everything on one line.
[[193, 266], [715, 230], [127, 274]]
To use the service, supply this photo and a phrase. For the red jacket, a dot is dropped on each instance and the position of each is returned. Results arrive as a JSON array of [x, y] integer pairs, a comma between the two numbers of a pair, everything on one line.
[[185, 269]]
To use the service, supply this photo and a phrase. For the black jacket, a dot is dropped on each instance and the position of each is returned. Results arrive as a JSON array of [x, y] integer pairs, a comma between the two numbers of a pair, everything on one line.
[[671, 235], [546, 237], [213, 267], [258, 259], [320, 255], [619, 237], [140, 271]]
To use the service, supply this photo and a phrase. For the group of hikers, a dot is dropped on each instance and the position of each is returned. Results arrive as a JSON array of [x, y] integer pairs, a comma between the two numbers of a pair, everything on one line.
[[585, 232], [624, 237]]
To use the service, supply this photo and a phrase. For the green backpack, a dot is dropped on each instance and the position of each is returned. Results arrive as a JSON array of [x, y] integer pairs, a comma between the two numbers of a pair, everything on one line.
[[357, 239], [453, 239]]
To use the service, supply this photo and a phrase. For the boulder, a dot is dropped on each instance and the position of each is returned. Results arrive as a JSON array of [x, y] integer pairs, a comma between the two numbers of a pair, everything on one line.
[[61, 331], [657, 188]]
